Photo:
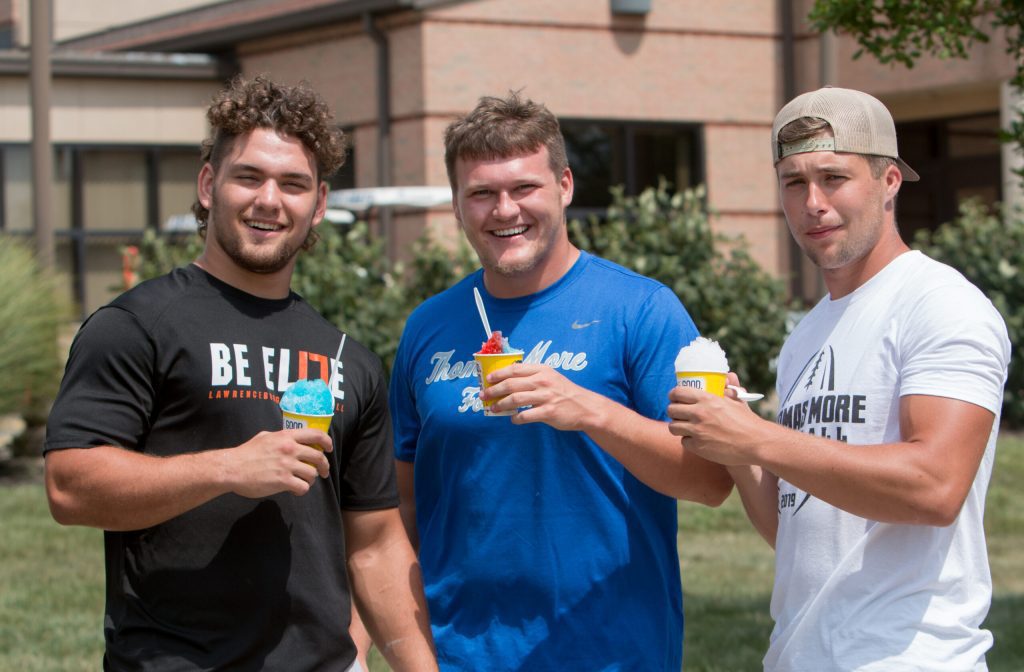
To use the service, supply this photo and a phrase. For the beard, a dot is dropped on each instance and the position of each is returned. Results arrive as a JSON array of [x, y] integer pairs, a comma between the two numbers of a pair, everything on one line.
[[541, 250], [862, 237], [263, 259]]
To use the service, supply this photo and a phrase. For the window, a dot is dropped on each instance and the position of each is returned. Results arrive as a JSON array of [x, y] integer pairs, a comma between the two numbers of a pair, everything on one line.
[[345, 178], [113, 184], [176, 173], [957, 158], [636, 155], [16, 194], [104, 197]]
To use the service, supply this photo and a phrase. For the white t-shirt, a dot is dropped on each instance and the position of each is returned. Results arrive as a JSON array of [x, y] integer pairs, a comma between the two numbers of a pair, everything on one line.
[[856, 594]]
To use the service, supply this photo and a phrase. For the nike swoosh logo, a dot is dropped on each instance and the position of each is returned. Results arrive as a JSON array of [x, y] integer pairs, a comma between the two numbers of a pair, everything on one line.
[[577, 325]]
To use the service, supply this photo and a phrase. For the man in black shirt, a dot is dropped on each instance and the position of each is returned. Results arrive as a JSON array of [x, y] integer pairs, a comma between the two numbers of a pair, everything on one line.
[[226, 537]]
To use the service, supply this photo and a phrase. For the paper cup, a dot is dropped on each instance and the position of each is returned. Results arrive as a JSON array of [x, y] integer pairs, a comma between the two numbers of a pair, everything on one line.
[[709, 381], [300, 421], [485, 364]]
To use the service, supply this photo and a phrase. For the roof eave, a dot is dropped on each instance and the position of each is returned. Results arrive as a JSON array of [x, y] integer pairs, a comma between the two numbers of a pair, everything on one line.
[[221, 38], [127, 65]]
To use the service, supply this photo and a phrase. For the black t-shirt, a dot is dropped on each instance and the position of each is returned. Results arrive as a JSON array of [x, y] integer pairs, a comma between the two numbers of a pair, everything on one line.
[[186, 363]]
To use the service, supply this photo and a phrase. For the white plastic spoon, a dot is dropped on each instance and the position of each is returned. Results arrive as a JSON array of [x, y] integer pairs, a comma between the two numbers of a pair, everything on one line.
[[743, 395], [483, 313]]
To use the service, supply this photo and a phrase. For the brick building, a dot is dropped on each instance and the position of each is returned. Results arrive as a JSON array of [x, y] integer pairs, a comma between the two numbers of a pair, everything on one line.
[[683, 89]]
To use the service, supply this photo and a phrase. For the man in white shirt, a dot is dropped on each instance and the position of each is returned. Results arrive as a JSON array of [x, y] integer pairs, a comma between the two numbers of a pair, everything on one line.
[[871, 484]]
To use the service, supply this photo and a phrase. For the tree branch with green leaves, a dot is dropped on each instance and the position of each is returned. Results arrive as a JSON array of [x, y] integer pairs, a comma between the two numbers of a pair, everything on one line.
[[902, 31]]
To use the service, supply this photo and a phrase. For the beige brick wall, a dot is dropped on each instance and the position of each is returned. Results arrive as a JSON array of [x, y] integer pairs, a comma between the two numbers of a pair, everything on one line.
[[742, 190], [339, 63], [753, 16], [583, 73]]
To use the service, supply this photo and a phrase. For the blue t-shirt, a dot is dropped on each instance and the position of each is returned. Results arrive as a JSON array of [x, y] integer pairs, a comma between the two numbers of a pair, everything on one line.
[[539, 551]]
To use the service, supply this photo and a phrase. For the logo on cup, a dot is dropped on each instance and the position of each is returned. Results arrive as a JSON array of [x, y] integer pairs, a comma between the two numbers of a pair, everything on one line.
[[695, 383], [293, 424]]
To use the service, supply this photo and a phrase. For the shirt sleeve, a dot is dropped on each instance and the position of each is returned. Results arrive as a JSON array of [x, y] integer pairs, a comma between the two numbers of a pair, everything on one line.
[[368, 472], [661, 328], [106, 395], [960, 353]]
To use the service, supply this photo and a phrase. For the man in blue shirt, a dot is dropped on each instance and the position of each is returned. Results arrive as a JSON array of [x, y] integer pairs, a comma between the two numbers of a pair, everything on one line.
[[547, 538]]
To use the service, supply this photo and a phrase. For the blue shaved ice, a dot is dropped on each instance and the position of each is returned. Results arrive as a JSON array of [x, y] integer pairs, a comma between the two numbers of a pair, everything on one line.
[[308, 397]]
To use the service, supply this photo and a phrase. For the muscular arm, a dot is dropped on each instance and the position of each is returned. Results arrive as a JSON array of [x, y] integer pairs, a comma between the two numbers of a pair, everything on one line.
[[116, 489], [923, 479], [649, 451], [644, 446], [388, 589]]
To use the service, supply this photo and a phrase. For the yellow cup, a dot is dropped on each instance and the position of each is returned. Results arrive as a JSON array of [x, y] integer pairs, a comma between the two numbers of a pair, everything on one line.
[[485, 364], [300, 421], [709, 381]]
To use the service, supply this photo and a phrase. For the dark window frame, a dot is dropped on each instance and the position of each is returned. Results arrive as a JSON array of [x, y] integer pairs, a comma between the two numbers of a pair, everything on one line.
[[76, 234], [629, 129], [940, 169]]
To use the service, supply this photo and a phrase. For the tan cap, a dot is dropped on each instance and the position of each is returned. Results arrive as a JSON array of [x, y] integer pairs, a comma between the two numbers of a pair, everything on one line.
[[860, 125]]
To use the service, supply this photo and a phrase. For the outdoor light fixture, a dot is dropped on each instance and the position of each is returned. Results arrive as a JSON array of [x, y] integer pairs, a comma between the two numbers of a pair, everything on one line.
[[631, 6]]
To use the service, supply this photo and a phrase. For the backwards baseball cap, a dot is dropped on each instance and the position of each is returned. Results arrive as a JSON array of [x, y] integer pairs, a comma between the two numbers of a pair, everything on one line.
[[860, 125]]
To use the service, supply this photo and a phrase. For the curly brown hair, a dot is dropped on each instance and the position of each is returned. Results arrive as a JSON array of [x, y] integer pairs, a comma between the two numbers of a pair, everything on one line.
[[504, 127], [247, 104]]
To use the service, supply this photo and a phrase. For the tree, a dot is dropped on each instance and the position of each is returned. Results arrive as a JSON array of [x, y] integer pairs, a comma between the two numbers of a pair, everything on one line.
[[901, 31]]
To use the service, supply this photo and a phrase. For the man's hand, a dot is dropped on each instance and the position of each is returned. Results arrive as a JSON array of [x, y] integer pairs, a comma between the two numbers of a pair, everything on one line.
[[718, 429], [550, 397], [116, 489], [271, 462], [641, 444]]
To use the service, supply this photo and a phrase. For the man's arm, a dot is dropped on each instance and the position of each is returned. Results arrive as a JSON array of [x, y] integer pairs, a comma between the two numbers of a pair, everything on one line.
[[407, 512], [644, 446], [116, 489], [923, 479], [759, 492], [360, 637], [388, 589]]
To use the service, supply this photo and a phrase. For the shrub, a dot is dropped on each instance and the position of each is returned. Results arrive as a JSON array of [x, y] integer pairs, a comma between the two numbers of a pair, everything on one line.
[[435, 267], [988, 248], [161, 252], [731, 299], [30, 316], [349, 280]]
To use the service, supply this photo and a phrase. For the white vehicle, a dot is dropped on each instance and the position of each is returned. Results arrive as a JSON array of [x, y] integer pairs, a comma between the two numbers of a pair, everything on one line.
[[342, 203]]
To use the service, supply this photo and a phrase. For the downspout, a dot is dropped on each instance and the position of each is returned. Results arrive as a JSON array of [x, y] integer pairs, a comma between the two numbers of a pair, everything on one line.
[[380, 41], [796, 259], [40, 86]]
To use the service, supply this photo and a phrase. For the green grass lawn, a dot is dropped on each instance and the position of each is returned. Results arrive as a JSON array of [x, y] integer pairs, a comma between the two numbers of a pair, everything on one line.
[[51, 588], [727, 576], [51, 582]]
